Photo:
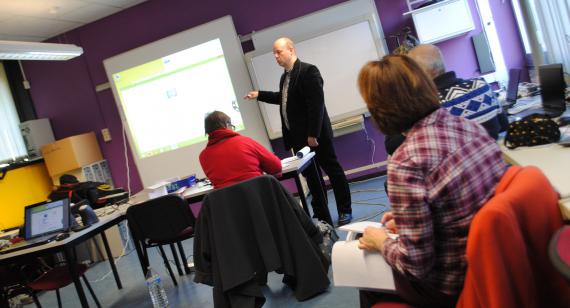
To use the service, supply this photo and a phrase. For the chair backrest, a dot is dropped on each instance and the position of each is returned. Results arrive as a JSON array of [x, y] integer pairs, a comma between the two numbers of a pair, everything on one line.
[[507, 246], [254, 227], [160, 218]]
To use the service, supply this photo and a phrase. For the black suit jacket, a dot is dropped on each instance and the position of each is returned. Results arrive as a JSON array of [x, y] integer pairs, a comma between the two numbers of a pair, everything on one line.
[[306, 109], [251, 228]]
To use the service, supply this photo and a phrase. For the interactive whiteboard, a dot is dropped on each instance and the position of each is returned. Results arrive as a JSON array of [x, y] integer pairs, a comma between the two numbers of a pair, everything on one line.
[[165, 89]]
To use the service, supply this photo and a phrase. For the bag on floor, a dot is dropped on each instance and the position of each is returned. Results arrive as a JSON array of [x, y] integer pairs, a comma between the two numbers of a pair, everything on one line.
[[329, 238]]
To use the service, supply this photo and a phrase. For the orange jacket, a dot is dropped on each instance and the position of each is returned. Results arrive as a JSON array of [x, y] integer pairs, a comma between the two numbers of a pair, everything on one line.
[[507, 247]]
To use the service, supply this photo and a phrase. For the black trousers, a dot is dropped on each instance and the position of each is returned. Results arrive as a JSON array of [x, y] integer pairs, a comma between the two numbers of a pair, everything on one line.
[[325, 157]]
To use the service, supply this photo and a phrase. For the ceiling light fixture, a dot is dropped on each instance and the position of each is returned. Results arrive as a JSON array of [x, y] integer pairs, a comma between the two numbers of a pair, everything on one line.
[[14, 50]]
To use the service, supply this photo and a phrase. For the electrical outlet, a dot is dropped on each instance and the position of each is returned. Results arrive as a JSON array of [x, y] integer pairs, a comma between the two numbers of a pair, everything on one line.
[[106, 134]]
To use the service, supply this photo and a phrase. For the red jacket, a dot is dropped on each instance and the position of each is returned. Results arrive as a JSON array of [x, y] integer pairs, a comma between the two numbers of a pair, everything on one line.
[[507, 247], [230, 158]]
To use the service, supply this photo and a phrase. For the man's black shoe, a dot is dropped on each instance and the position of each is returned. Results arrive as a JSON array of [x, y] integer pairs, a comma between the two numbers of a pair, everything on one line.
[[344, 219]]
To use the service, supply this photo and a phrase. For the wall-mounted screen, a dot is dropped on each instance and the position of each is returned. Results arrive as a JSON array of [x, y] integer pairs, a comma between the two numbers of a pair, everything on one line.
[[174, 93], [164, 89]]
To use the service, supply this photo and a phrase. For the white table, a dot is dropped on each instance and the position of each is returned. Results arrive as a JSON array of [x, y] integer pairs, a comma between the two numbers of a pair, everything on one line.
[[553, 160], [291, 170], [66, 246]]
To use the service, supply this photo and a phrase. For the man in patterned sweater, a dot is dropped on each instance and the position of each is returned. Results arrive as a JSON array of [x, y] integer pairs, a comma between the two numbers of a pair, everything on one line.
[[472, 99]]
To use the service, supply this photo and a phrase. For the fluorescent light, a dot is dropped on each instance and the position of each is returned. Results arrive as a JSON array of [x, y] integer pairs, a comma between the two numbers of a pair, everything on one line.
[[14, 50]]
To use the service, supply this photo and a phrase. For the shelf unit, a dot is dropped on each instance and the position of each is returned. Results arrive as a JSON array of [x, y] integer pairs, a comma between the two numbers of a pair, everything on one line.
[[440, 21]]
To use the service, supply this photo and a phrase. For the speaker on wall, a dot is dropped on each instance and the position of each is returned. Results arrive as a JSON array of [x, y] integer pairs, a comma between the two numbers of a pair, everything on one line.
[[483, 52]]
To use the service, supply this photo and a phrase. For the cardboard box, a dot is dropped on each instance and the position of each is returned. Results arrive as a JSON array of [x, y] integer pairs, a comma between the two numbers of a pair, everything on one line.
[[71, 153]]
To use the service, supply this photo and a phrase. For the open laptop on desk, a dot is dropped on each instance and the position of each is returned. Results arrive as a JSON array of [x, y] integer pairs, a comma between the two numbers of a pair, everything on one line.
[[552, 91], [513, 86], [42, 221]]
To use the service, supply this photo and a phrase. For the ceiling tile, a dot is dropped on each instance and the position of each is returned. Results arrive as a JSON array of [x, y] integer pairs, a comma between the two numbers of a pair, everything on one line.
[[89, 13], [39, 8], [4, 15], [25, 38], [117, 3], [36, 20], [24, 25]]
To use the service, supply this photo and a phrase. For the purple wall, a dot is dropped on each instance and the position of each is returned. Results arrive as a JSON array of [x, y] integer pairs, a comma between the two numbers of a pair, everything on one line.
[[510, 38], [65, 91]]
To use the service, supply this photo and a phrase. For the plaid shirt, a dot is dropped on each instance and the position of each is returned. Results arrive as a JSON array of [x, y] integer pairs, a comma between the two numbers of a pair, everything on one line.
[[437, 180]]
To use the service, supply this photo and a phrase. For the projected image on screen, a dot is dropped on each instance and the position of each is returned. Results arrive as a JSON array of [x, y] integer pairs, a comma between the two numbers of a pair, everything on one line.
[[165, 100]]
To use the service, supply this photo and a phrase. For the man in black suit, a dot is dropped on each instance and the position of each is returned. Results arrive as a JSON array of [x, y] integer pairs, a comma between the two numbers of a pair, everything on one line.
[[304, 121]]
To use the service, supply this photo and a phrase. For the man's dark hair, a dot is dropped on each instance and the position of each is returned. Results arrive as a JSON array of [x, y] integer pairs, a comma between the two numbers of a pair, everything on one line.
[[68, 179], [397, 93], [216, 120]]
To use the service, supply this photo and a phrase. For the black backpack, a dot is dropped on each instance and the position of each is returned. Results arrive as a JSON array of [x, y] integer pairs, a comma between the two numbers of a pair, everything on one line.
[[535, 129]]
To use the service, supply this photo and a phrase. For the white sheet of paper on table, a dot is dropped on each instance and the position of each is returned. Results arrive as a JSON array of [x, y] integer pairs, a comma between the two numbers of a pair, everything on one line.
[[289, 159]]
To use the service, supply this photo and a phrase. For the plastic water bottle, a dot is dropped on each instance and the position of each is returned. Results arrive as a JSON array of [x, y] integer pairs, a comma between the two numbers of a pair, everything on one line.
[[157, 293]]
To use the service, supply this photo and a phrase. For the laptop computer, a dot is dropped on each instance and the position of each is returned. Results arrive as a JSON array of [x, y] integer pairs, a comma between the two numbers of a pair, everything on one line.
[[513, 85], [42, 221], [552, 85]]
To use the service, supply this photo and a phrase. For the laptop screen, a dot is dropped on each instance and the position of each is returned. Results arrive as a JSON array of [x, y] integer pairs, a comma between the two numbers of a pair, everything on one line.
[[46, 217], [513, 86], [552, 86]]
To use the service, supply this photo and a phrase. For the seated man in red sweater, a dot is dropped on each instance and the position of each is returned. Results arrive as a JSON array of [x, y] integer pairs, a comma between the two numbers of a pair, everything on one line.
[[230, 157]]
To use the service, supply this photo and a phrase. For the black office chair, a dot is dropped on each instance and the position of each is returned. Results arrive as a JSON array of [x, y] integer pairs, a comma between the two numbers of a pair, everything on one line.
[[161, 221], [248, 229]]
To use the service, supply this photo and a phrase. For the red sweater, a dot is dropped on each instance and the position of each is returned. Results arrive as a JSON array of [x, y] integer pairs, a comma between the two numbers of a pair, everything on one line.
[[230, 158]]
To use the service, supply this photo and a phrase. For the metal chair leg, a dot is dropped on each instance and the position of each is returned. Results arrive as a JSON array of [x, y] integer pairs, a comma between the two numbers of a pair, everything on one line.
[[35, 298], [183, 256], [167, 265], [176, 260], [58, 298], [91, 291]]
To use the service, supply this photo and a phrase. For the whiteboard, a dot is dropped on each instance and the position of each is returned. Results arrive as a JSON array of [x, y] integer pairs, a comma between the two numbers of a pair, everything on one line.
[[183, 160], [349, 40]]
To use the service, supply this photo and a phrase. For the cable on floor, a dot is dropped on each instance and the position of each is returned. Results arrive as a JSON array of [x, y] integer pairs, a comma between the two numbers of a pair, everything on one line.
[[370, 141], [117, 259]]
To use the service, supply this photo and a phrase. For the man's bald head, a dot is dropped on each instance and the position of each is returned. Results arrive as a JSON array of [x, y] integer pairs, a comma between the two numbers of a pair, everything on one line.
[[284, 42], [429, 57], [284, 52]]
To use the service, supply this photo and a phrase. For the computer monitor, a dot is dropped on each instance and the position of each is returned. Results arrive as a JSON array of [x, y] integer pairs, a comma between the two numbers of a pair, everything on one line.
[[552, 87], [513, 86], [46, 218]]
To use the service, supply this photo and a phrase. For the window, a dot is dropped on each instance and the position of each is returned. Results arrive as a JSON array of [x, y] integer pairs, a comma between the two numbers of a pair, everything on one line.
[[13, 147], [488, 25], [550, 22]]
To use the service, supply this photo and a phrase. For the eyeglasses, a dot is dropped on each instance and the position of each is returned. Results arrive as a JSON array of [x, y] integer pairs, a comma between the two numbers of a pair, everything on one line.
[[230, 125]]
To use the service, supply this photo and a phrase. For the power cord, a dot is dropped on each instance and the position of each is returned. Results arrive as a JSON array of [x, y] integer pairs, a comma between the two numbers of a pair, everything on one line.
[[370, 141], [117, 259], [368, 180], [370, 217], [126, 158]]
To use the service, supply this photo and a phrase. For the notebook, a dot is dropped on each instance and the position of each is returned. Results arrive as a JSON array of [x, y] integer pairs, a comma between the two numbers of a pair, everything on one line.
[[42, 221]]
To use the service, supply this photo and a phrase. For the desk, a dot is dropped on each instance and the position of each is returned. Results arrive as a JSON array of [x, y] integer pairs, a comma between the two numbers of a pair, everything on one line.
[[66, 246], [565, 208], [553, 160], [292, 170]]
